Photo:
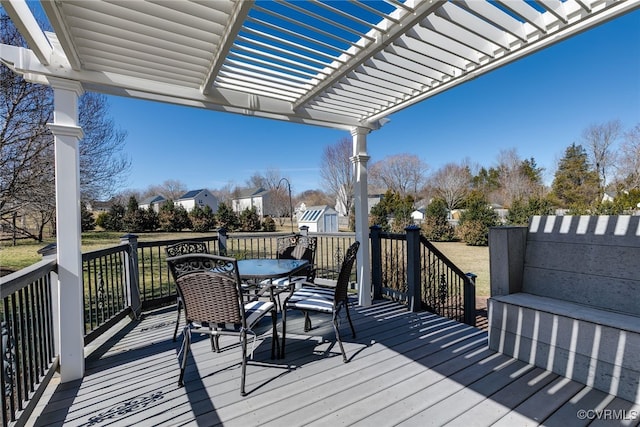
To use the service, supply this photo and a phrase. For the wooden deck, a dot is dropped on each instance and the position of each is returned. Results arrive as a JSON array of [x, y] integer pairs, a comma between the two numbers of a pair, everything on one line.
[[405, 368]]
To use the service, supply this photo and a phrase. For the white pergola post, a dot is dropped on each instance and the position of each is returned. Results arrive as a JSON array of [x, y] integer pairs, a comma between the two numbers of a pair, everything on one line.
[[67, 134], [360, 159]]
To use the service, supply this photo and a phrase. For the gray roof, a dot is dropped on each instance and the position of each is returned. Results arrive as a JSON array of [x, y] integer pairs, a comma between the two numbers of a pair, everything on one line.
[[250, 192], [191, 194], [153, 199]]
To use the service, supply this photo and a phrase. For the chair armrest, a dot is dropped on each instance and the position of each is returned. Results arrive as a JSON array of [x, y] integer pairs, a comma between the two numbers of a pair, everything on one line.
[[321, 283]]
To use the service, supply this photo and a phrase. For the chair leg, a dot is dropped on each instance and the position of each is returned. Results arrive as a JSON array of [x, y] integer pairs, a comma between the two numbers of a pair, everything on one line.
[[284, 330], [337, 332], [275, 346], [179, 307], [243, 338], [307, 321], [186, 346], [353, 331]]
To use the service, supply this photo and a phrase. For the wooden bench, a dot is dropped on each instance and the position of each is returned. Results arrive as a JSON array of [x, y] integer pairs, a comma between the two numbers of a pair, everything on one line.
[[565, 296]]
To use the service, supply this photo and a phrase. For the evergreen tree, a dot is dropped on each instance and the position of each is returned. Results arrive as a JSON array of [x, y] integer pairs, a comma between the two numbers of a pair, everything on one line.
[[576, 183], [396, 206], [476, 219], [436, 227], [249, 220], [269, 224], [173, 218], [522, 210], [88, 223], [202, 219], [134, 218], [226, 217]]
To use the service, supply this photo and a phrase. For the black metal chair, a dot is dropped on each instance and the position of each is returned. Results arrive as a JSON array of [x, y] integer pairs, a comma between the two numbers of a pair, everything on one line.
[[295, 246], [211, 293], [328, 298], [183, 248]]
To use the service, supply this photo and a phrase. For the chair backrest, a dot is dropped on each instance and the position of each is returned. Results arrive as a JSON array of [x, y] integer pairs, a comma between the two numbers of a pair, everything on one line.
[[345, 273], [297, 246], [184, 248], [210, 289]]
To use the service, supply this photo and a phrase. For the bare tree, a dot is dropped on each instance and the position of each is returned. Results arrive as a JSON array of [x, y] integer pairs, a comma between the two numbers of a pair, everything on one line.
[[598, 143], [403, 174], [102, 161], [452, 183], [514, 180], [171, 189], [337, 174], [26, 146], [629, 159], [278, 204]]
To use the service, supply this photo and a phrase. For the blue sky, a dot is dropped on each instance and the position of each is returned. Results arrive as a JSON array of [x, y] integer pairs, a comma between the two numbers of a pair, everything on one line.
[[538, 105]]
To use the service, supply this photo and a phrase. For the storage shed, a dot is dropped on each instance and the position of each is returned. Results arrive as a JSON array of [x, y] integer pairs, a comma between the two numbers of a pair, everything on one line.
[[319, 219]]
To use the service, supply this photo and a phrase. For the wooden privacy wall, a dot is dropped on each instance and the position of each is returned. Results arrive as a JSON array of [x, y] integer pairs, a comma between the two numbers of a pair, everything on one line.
[[591, 260]]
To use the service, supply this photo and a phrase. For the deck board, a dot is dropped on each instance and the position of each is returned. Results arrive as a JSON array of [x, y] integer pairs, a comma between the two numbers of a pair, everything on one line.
[[405, 368]]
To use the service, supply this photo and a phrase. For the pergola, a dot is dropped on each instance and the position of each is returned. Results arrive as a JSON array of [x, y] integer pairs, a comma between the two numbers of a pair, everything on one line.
[[339, 64]]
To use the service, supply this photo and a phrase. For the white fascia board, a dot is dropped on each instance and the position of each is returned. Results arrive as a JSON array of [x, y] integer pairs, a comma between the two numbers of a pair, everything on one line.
[[23, 61], [26, 23]]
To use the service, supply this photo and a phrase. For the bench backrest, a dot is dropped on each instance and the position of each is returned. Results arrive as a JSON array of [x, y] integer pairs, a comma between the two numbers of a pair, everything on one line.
[[591, 260]]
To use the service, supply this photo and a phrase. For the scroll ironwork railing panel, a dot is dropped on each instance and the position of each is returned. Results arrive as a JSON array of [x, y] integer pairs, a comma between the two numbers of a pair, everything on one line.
[[28, 352], [444, 289], [105, 284], [394, 265], [155, 282]]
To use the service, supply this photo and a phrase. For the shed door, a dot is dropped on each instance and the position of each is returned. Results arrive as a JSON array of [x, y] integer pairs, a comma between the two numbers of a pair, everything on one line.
[[330, 223]]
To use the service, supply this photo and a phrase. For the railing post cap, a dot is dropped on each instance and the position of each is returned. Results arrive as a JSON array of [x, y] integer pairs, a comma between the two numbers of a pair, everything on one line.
[[412, 227], [128, 237], [50, 249], [375, 227], [471, 275]]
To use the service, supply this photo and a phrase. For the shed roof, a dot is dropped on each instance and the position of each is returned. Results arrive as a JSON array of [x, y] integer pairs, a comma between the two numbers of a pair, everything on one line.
[[313, 213]]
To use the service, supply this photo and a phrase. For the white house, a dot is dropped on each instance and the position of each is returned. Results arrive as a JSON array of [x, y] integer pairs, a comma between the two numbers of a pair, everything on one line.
[[257, 198], [319, 219], [201, 198], [153, 202]]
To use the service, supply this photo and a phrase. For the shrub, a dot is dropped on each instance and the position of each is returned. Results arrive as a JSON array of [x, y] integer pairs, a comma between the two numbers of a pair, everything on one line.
[[473, 233], [475, 221], [437, 229], [249, 220], [435, 226], [269, 224], [88, 223], [226, 217], [202, 219], [520, 212]]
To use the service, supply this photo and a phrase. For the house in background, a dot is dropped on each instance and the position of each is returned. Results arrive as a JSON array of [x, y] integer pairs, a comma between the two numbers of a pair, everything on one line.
[[319, 219], [201, 198], [257, 198], [153, 203]]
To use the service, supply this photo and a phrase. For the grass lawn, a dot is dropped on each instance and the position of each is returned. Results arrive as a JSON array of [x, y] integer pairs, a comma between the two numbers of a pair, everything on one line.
[[470, 259]]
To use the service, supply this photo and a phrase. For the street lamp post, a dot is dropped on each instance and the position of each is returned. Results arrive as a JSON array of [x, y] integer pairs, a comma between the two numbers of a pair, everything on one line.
[[290, 203]]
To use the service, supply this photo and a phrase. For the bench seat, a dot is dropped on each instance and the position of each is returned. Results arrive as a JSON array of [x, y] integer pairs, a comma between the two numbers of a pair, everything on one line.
[[599, 348]]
